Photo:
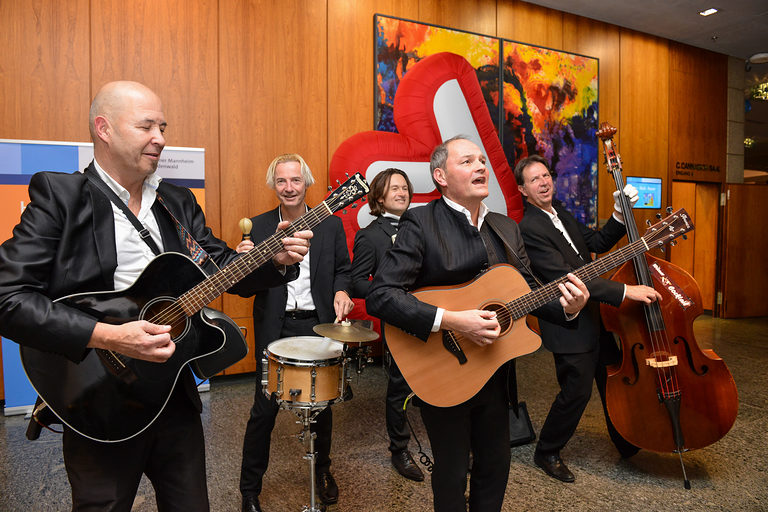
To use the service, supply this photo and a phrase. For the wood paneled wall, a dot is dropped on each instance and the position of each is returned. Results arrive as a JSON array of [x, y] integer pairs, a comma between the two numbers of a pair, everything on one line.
[[249, 79]]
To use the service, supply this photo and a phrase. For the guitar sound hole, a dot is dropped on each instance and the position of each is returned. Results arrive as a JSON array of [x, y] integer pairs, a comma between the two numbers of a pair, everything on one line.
[[165, 311], [502, 315]]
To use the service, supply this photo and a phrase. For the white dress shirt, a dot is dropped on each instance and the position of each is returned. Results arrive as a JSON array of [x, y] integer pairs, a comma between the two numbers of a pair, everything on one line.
[[133, 253], [300, 289]]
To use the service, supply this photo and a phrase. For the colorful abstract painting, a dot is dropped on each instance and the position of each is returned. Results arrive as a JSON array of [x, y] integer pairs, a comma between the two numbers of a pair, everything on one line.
[[550, 109], [541, 101], [401, 43]]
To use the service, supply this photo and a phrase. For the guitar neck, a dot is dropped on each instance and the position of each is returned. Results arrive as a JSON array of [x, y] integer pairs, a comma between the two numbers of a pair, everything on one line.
[[215, 285], [534, 299]]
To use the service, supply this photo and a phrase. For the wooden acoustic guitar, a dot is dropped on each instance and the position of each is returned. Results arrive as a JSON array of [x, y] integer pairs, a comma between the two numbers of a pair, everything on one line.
[[110, 397], [448, 369]]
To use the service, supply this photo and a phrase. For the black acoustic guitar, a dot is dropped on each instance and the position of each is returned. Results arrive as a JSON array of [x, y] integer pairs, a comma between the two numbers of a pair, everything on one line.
[[110, 397]]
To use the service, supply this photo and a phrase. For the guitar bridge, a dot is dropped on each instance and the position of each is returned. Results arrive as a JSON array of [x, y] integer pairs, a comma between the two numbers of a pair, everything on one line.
[[452, 346], [116, 366]]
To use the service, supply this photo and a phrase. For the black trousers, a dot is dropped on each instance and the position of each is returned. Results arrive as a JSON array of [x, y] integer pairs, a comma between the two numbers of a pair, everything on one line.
[[258, 431], [575, 373], [171, 452], [397, 392], [479, 426]]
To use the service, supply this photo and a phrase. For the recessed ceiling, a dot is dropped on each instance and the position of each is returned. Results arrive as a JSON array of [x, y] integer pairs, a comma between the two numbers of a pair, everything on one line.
[[739, 28]]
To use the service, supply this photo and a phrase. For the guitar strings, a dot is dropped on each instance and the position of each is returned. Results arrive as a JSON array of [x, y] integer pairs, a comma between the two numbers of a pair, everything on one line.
[[521, 306], [661, 352]]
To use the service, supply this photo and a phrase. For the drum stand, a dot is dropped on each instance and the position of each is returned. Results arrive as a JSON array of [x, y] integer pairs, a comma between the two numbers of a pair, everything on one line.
[[306, 418], [363, 357]]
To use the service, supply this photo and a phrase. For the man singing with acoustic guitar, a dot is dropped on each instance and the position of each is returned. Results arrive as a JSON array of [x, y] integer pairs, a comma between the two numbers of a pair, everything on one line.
[[448, 242]]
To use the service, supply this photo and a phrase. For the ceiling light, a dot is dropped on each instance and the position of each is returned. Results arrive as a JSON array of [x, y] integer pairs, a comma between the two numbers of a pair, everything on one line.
[[708, 12], [758, 58], [759, 91]]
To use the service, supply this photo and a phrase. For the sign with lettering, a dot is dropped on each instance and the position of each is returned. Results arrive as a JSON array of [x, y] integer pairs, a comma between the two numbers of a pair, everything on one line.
[[697, 171]]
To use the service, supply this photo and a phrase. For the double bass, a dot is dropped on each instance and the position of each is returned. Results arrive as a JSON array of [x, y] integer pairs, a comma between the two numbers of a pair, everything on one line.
[[666, 395]]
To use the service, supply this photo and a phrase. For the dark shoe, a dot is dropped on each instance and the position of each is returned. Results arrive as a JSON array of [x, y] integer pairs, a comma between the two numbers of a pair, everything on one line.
[[327, 490], [405, 465], [628, 450], [554, 466], [251, 504]]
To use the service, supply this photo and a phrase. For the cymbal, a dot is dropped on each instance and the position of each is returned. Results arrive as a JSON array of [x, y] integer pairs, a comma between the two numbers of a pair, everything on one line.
[[346, 331]]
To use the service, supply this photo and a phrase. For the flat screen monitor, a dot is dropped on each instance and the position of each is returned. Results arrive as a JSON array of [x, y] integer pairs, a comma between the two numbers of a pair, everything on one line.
[[649, 191]]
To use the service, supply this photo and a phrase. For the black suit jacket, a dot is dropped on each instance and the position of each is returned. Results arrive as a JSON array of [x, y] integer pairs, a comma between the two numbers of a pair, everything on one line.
[[371, 243], [552, 257], [65, 244], [436, 245], [328, 269]]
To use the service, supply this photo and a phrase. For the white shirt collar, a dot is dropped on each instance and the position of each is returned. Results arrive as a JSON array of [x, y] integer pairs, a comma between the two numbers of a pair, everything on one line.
[[480, 217], [391, 216], [152, 181]]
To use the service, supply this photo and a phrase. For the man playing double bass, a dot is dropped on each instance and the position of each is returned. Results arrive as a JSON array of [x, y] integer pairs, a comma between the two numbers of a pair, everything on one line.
[[557, 243]]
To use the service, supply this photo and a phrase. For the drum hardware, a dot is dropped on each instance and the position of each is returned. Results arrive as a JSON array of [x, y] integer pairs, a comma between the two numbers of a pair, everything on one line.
[[306, 418], [308, 367], [362, 356]]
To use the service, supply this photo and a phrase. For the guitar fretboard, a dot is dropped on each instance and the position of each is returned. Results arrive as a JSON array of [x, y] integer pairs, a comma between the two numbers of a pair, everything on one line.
[[524, 304], [212, 287]]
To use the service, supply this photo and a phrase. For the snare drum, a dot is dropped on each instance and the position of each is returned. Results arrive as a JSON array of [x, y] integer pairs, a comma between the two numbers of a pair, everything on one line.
[[304, 371]]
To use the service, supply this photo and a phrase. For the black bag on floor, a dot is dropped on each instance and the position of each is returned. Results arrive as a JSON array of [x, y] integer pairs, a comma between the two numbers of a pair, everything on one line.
[[520, 427]]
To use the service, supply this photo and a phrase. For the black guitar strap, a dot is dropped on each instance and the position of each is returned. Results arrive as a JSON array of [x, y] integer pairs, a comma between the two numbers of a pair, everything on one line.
[[143, 232], [196, 252]]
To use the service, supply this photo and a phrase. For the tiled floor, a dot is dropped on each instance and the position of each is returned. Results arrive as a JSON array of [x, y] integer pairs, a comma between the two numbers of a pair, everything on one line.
[[728, 475]]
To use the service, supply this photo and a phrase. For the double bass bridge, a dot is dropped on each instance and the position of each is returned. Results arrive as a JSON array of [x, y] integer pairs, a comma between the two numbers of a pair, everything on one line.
[[667, 362]]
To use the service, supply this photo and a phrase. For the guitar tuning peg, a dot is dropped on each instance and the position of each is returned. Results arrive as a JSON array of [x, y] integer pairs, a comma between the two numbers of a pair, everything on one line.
[[364, 199], [338, 182], [673, 243], [669, 209], [658, 216], [648, 223], [685, 237], [662, 250], [354, 205], [346, 174], [344, 211], [330, 188]]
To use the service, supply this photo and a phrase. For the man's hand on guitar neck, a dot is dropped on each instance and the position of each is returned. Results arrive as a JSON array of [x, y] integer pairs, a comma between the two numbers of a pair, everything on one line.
[[139, 340], [575, 295], [477, 325], [294, 247]]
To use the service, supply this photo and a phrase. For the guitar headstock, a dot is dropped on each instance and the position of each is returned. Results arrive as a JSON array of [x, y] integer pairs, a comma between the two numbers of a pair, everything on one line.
[[347, 193], [667, 229]]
